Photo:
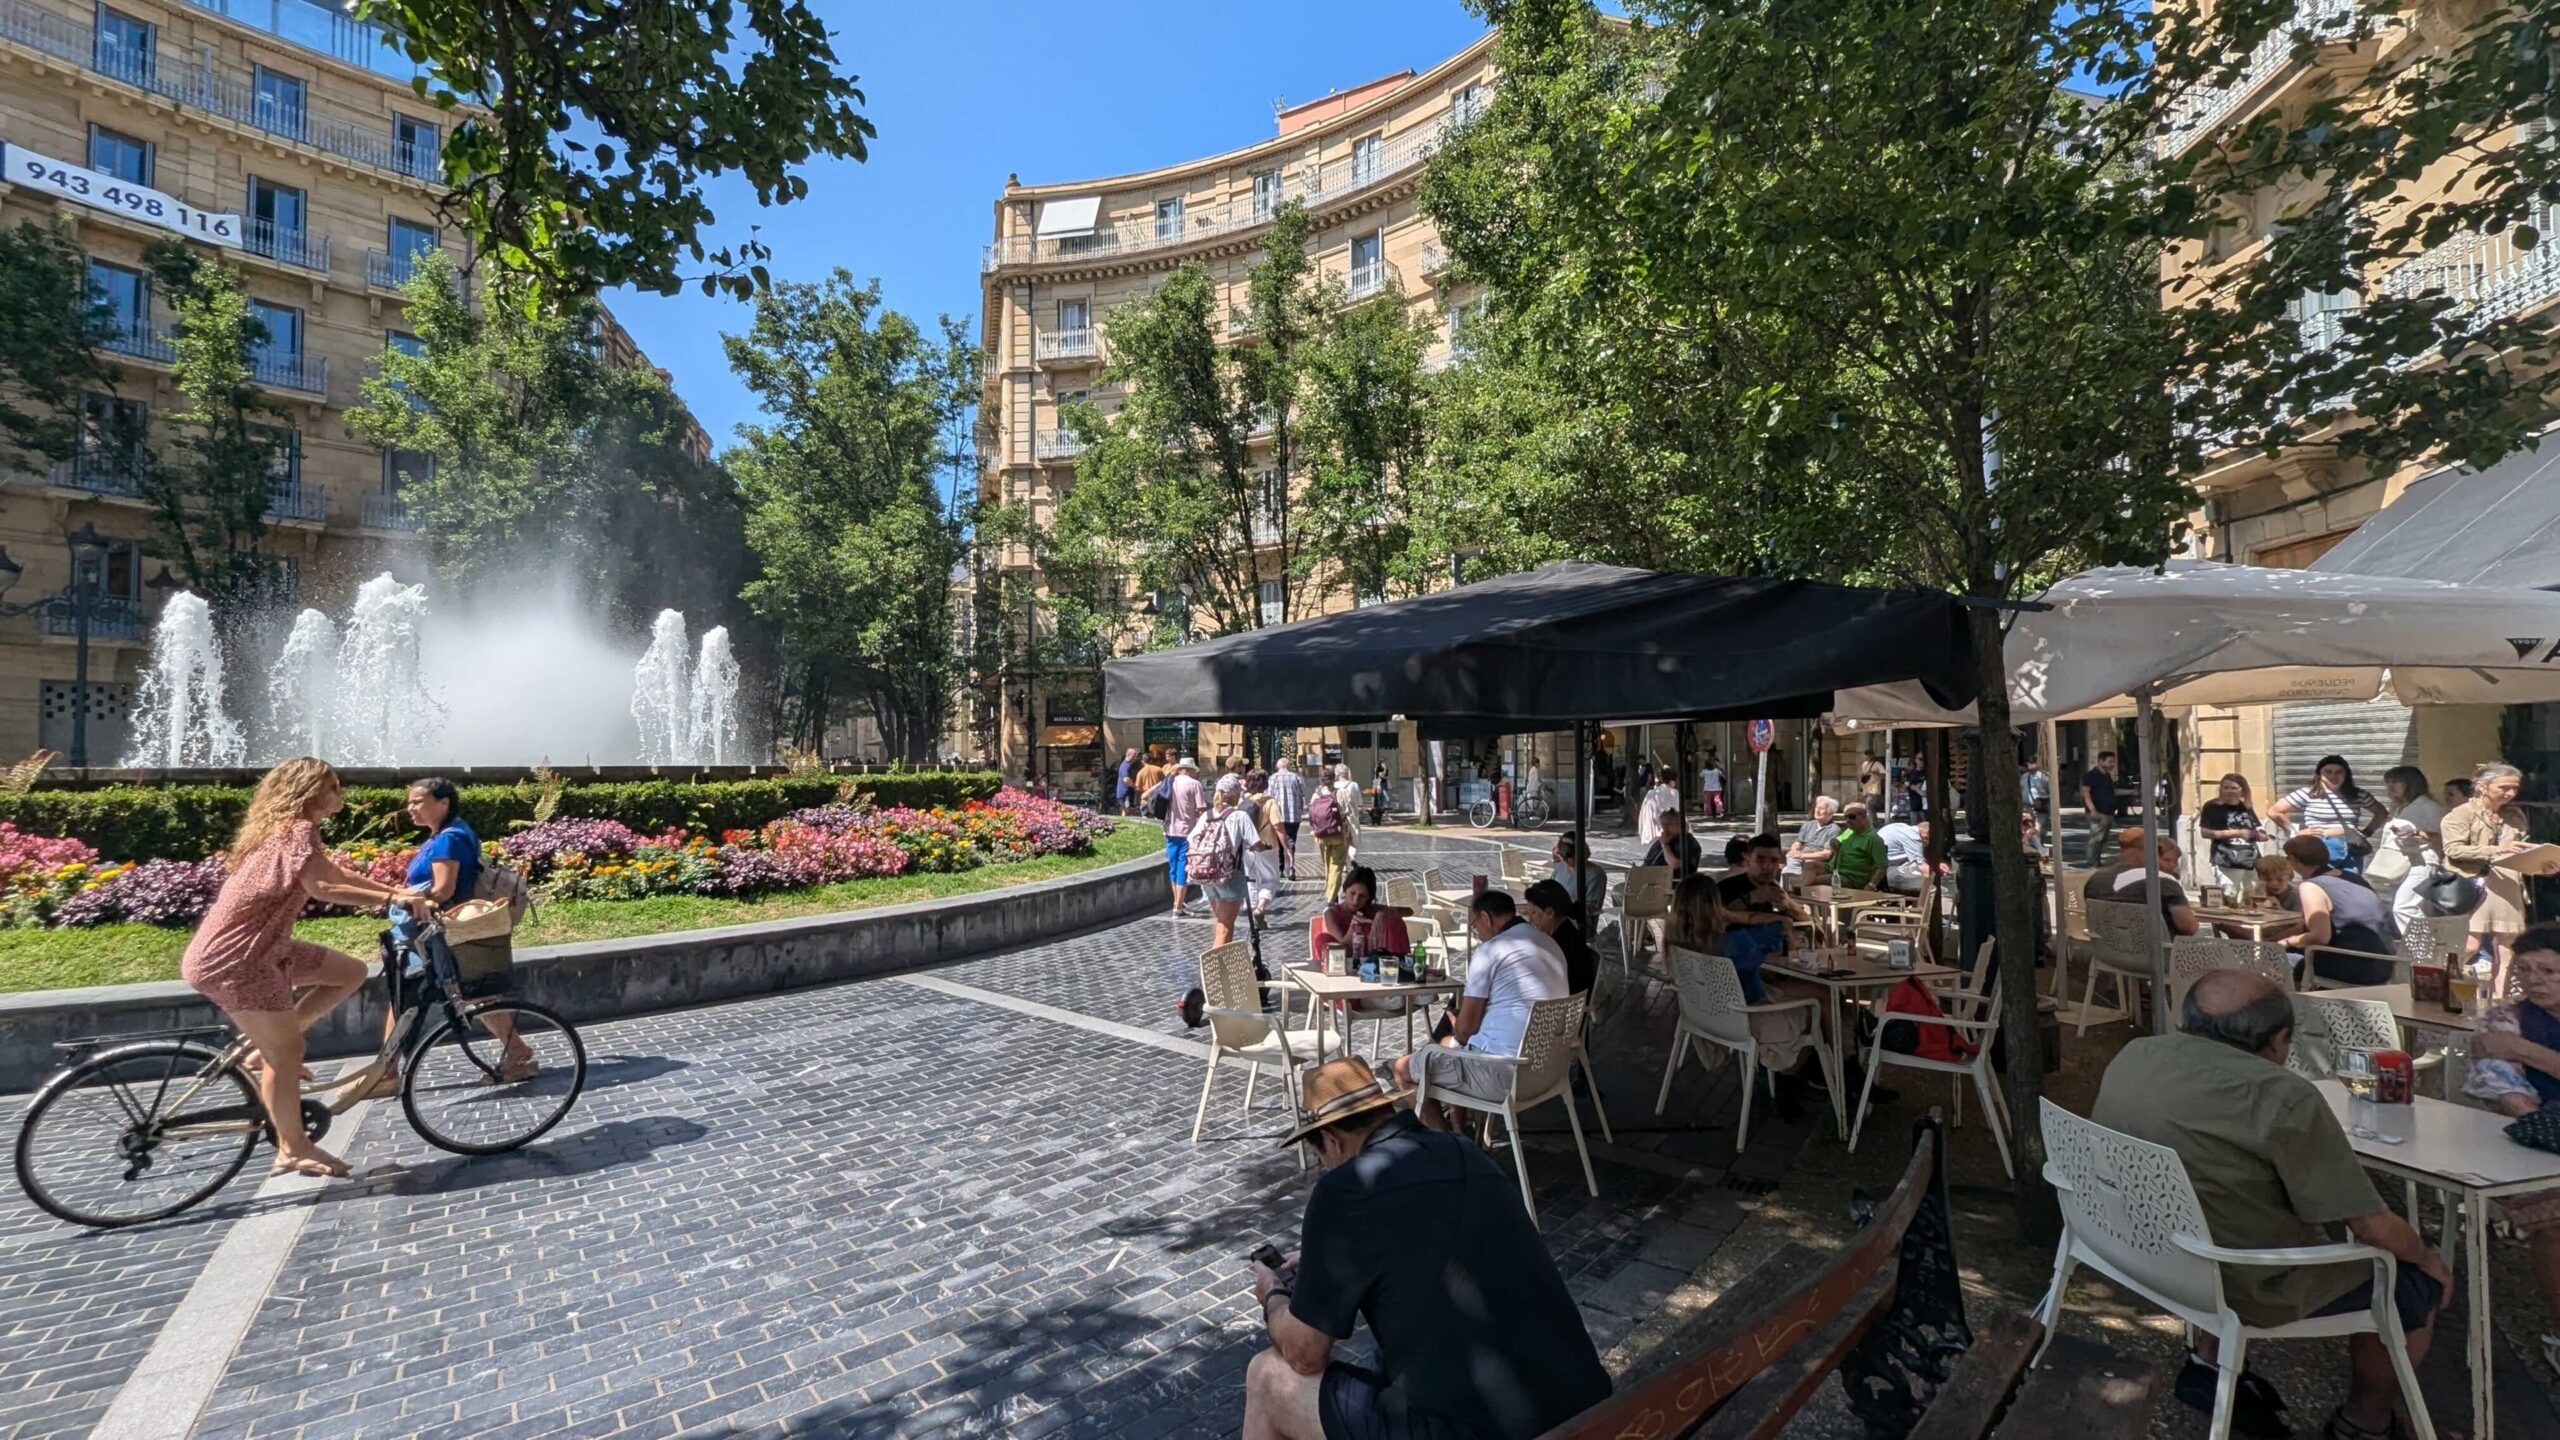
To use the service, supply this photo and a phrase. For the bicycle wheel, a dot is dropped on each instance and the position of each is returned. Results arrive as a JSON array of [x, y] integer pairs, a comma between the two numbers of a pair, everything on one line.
[[458, 1094], [130, 1135], [1480, 814], [1530, 814]]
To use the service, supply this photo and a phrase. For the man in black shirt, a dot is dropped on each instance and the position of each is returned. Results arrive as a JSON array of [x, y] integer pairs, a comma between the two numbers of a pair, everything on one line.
[[2098, 798], [1416, 1231]]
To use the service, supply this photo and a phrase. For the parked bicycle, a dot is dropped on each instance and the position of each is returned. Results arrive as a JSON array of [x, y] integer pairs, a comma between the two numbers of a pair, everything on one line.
[[141, 1127], [1528, 812]]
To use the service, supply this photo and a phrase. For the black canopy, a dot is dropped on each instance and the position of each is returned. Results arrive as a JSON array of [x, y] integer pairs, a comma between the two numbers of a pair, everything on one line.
[[1546, 648]]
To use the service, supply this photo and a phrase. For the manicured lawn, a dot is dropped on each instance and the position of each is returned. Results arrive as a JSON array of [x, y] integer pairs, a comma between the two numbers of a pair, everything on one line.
[[123, 954]]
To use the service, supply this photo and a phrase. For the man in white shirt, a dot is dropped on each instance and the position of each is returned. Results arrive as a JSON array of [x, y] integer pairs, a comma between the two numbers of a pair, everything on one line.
[[1906, 855], [1515, 965]]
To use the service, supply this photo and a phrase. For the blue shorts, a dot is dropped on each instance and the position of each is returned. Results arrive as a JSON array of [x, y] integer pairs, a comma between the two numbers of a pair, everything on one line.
[[2414, 1293], [1177, 858]]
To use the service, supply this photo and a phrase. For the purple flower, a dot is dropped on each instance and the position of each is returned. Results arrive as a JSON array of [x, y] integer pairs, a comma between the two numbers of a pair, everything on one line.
[[538, 846], [155, 892]]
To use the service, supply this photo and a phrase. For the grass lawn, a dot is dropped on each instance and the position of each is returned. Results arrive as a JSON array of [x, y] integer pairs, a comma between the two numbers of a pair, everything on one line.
[[124, 954]]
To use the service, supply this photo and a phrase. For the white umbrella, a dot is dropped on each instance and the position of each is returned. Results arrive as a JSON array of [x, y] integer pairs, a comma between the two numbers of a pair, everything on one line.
[[2202, 633]]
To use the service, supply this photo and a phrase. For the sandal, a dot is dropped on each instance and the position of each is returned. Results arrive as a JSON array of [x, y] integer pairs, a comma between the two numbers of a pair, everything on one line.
[[516, 1072], [322, 1166], [384, 1085], [2342, 1428]]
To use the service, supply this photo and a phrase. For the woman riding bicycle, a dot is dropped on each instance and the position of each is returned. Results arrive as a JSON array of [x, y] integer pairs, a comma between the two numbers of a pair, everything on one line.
[[244, 957], [446, 869]]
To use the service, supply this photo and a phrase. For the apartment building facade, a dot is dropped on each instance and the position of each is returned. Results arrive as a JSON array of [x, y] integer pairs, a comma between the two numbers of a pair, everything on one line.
[[2310, 505], [282, 135], [1065, 253]]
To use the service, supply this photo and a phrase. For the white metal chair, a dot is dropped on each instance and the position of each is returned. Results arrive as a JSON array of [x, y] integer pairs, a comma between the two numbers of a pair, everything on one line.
[[1240, 1030], [2430, 938], [2119, 947], [2192, 957], [1714, 1012], [1515, 871], [1644, 897], [1981, 999], [1542, 1071], [2130, 1212], [2326, 1027]]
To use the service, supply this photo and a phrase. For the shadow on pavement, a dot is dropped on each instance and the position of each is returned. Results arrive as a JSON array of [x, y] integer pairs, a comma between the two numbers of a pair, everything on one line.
[[584, 1152]]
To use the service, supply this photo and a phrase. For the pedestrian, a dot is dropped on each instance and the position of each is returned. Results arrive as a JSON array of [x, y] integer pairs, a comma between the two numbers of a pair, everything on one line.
[[2416, 832], [1126, 790], [1289, 805], [1871, 784], [1262, 862], [1333, 818], [1151, 773], [1656, 799], [1185, 803], [2230, 821], [1420, 1234], [2334, 808], [245, 960], [1221, 839], [1377, 794], [1711, 788], [2102, 804], [2478, 834]]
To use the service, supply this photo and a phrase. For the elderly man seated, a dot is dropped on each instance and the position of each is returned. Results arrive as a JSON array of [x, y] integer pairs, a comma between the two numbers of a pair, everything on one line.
[[1906, 855], [2274, 1172], [2122, 882]]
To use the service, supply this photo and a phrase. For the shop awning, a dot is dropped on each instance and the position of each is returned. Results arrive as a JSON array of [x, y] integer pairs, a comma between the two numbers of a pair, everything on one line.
[[1571, 642], [2499, 526], [1068, 217]]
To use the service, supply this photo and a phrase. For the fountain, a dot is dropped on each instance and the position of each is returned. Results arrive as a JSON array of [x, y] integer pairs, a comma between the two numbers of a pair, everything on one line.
[[179, 721], [301, 686], [661, 694], [714, 711], [384, 714]]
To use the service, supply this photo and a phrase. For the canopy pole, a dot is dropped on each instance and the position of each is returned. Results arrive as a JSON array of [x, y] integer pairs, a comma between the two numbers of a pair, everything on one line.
[[2049, 740], [1760, 798], [2158, 926], [1582, 824]]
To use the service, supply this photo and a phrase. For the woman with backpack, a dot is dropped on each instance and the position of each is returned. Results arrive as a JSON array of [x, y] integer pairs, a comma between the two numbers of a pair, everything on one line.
[[1221, 839]]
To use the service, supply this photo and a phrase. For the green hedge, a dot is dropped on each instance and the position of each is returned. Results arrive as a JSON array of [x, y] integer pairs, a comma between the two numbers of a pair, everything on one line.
[[188, 822]]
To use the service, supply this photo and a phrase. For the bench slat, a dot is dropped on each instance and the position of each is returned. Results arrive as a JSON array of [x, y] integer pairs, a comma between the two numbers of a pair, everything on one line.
[[1766, 1402], [1964, 1407], [2085, 1390]]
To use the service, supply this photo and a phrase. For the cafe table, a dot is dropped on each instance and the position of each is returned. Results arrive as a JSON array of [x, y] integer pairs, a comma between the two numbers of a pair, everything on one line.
[[1350, 987], [1842, 974], [2251, 922], [2407, 1007], [2462, 1151], [1842, 905]]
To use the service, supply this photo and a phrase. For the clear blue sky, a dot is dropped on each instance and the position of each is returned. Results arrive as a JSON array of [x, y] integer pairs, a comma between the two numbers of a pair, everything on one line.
[[966, 91]]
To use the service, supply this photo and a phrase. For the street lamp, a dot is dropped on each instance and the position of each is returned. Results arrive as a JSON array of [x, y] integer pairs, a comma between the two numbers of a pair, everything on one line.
[[87, 589]]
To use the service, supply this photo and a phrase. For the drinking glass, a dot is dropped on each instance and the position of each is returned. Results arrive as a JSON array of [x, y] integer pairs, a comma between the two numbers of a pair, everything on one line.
[[2356, 1069]]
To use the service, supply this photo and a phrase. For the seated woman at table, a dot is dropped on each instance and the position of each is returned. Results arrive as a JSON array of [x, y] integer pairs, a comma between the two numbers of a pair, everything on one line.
[[2515, 1065], [1698, 914], [1546, 906], [2339, 914], [1358, 912]]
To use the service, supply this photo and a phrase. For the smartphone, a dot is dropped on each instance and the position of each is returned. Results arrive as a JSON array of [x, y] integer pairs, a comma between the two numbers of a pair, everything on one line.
[[1267, 1256]]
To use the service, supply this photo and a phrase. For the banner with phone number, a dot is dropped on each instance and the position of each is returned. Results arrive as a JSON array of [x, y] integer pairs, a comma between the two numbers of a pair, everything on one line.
[[23, 166]]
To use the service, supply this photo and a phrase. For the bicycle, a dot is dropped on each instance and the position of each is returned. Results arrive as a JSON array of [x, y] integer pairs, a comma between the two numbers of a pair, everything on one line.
[[1528, 812], [137, 1119]]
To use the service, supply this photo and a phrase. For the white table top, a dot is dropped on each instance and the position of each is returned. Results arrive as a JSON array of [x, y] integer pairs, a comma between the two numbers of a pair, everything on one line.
[[1352, 987], [2405, 1005], [2455, 1145], [1861, 970]]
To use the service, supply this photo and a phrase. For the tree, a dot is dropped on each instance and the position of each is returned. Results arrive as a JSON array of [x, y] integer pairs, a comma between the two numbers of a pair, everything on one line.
[[211, 492], [844, 506], [50, 326], [1365, 435], [587, 129], [1878, 290], [544, 450]]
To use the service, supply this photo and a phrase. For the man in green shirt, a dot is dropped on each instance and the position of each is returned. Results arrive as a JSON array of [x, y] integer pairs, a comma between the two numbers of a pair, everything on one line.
[[1857, 857], [2274, 1171]]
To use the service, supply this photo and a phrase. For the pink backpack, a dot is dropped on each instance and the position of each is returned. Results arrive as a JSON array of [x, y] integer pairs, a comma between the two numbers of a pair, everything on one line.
[[1212, 856]]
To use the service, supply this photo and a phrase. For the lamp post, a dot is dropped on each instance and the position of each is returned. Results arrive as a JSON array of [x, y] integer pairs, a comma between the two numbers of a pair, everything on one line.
[[86, 590]]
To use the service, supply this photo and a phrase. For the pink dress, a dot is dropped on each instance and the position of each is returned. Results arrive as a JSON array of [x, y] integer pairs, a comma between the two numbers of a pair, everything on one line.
[[244, 956]]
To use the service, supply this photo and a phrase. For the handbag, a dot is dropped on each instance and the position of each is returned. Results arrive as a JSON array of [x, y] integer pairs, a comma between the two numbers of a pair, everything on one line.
[[2450, 892], [2389, 866], [478, 920], [2539, 1130]]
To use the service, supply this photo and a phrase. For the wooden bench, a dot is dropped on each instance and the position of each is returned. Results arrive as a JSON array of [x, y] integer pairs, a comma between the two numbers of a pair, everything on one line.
[[1886, 1313]]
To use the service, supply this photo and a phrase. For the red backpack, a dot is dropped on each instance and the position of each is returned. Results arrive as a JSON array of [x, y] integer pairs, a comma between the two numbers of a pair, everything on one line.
[[1324, 818], [1929, 1042]]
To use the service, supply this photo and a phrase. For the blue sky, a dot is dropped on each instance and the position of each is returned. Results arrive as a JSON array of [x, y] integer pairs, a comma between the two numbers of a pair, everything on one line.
[[965, 91]]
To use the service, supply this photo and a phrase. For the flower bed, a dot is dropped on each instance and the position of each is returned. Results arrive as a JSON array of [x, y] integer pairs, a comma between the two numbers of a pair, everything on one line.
[[54, 882]]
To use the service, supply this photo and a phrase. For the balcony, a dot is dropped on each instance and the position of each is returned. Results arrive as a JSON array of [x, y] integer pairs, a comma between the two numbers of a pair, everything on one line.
[[329, 31], [388, 512], [142, 340], [1056, 445], [1068, 347], [1314, 186], [386, 271], [2319, 22], [109, 618], [221, 90], [99, 473], [293, 500], [1375, 278], [285, 246], [1435, 260], [2488, 277], [279, 371]]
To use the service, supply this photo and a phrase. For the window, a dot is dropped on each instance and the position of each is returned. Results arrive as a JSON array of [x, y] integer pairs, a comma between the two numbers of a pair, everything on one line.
[[1169, 219], [1271, 602], [278, 206], [1368, 263], [404, 468], [1266, 193], [126, 47], [1075, 315], [1468, 103], [408, 238], [122, 156], [404, 342], [112, 430], [283, 345], [1365, 155], [284, 461], [125, 293], [281, 101], [416, 147], [121, 576]]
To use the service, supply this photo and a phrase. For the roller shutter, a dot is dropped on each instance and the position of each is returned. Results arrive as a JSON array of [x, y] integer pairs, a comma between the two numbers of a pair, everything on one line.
[[2374, 735]]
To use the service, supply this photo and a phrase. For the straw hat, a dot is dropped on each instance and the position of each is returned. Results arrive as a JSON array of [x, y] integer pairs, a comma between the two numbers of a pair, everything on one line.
[[1186, 763], [1337, 1091]]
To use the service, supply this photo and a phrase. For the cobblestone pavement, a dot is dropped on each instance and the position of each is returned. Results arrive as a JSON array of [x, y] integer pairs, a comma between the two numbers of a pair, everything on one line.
[[962, 1206]]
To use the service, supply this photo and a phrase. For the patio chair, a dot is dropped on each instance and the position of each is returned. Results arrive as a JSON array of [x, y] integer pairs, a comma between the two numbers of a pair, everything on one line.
[[1714, 1013], [1644, 897], [2130, 1212], [1980, 1002], [1240, 1030], [2326, 1027], [2430, 938], [2192, 957], [2119, 948], [1542, 1071], [1515, 871]]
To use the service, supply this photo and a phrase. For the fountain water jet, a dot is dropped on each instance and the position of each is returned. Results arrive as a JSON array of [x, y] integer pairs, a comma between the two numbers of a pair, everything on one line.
[[661, 694], [300, 687], [384, 714], [714, 717], [179, 721]]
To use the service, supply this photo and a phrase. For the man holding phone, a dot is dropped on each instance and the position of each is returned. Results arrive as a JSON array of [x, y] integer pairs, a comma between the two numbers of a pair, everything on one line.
[[1416, 1231]]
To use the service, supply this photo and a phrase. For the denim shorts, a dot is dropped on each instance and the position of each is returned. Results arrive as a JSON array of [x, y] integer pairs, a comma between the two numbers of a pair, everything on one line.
[[2414, 1293]]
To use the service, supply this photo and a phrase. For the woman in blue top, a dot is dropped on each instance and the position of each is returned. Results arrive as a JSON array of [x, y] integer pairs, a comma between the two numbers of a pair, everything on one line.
[[447, 868]]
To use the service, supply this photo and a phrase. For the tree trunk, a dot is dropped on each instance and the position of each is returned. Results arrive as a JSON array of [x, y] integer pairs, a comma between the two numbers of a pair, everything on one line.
[[2015, 897]]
